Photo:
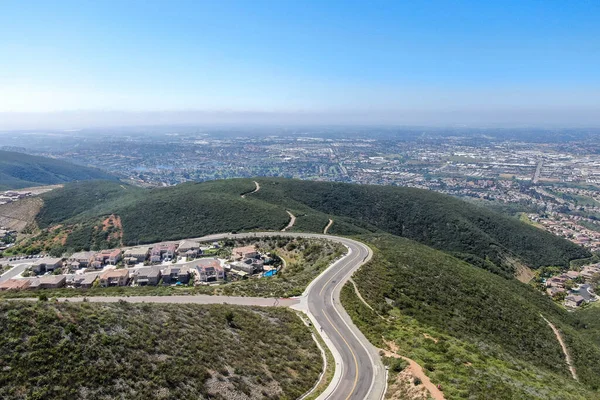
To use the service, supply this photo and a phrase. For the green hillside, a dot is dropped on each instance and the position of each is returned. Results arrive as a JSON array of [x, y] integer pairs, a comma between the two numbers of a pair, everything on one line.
[[478, 335], [146, 351], [475, 234], [437, 220], [18, 170]]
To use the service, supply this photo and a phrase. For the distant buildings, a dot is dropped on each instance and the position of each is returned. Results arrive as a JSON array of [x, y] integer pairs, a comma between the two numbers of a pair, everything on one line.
[[11, 195], [569, 284]]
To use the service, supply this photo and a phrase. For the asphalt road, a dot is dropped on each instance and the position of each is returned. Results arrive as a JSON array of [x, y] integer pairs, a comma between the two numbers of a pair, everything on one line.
[[362, 375], [18, 267], [359, 373]]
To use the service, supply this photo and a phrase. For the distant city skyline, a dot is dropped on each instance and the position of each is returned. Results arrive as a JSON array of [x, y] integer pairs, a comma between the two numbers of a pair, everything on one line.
[[71, 65]]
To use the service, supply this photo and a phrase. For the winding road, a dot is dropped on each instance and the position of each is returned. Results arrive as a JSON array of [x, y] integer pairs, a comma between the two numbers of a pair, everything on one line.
[[359, 373]]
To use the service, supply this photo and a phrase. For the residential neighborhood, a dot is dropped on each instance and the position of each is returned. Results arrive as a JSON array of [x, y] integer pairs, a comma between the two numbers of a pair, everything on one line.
[[187, 262], [13, 195], [575, 288]]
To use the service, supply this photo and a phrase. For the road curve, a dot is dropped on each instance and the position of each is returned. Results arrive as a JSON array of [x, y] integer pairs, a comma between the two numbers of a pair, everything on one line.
[[359, 374]]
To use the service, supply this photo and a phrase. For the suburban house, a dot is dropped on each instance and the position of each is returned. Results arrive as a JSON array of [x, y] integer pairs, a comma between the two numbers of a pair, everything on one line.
[[571, 274], [573, 300], [48, 282], [589, 271], [14, 284], [176, 274], [74, 266], [163, 252], [239, 253], [188, 248], [139, 254], [82, 258], [245, 267], [147, 276], [553, 291], [84, 281], [258, 264], [557, 281], [114, 277], [209, 270], [112, 256], [46, 264]]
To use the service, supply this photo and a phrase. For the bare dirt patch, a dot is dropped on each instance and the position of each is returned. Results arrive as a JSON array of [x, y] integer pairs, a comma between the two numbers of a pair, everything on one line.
[[415, 371], [113, 222], [403, 388], [18, 214], [427, 336]]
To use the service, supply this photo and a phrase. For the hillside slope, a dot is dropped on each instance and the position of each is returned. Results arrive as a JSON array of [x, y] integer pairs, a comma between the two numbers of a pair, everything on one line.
[[440, 221], [18, 170], [479, 236], [151, 351], [478, 335]]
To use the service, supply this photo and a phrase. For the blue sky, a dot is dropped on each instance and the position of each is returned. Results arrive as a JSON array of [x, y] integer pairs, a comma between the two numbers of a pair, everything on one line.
[[299, 56]]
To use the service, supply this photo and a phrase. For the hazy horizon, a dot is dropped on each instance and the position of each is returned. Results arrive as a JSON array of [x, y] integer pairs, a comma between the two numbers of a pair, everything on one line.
[[70, 65], [66, 120]]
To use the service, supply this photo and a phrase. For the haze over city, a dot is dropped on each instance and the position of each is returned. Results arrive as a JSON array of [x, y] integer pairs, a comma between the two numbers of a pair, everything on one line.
[[68, 65]]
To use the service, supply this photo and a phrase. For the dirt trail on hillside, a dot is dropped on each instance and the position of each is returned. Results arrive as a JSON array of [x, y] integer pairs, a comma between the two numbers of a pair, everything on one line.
[[291, 223], [256, 189], [413, 367], [328, 226], [416, 370], [564, 348], [359, 295]]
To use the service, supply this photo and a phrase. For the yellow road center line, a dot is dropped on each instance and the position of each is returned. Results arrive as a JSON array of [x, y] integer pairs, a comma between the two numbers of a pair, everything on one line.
[[329, 280], [351, 351]]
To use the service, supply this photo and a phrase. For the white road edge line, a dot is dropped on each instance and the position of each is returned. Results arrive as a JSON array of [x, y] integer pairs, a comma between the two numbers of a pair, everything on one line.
[[344, 281], [322, 375]]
